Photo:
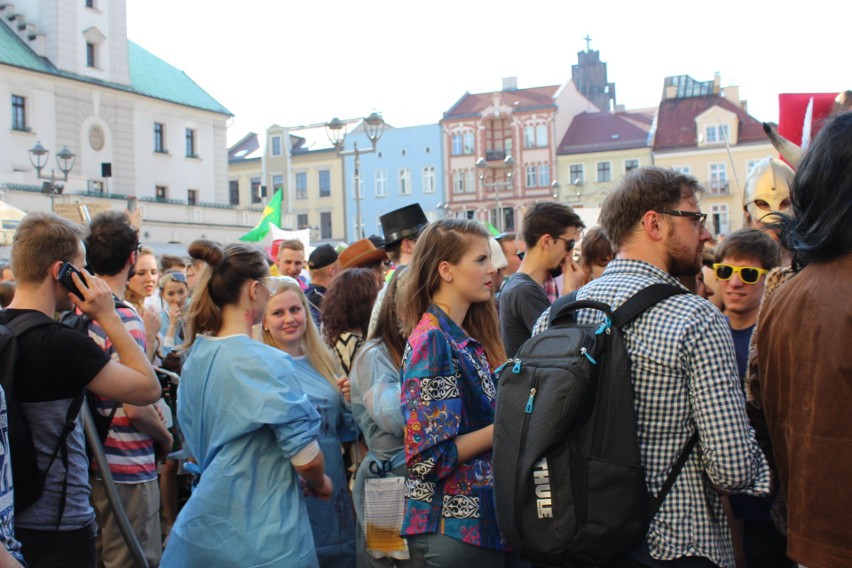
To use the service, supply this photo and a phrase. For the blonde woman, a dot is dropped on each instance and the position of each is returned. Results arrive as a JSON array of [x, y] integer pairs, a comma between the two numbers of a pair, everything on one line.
[[288, 326]]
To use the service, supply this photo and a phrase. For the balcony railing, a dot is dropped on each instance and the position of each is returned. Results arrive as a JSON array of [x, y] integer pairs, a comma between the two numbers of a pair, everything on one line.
[[495, 155], [718, 187]]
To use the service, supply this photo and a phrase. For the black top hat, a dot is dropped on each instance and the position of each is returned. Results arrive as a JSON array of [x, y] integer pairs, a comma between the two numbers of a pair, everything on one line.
[[403, 223], [322, 256]]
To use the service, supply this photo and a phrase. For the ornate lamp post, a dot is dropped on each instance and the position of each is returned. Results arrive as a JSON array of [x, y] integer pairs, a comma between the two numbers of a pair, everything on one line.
[[374, 126], [508, 168], [65, 160]]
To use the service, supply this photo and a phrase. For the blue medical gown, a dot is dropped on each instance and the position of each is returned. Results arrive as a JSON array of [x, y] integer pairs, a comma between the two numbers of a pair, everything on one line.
[[332, 521], [244, 415]]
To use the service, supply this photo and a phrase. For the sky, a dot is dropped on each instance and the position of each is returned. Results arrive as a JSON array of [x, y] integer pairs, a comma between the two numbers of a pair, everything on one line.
[[292, 62]]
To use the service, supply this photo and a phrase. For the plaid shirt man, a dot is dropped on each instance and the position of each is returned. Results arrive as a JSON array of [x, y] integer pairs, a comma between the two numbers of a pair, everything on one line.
[[684, 377]]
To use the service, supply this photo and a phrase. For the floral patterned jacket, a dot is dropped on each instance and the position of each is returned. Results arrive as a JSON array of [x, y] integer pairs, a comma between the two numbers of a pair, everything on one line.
[[448, 390]]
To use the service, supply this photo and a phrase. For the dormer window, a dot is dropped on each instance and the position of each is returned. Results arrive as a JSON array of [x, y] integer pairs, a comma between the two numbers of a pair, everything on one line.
[[91, 55], [717, 134]]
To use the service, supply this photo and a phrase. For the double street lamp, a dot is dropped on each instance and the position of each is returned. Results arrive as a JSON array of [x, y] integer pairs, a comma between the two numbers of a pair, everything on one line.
[[508, 167], [374, 125], [65, 159]]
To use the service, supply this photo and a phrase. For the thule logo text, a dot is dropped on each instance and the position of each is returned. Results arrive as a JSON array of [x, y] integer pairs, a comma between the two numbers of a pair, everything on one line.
[[541, 478]]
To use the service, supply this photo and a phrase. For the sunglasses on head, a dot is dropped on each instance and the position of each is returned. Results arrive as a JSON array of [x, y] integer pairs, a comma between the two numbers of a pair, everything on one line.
[[748, 274]]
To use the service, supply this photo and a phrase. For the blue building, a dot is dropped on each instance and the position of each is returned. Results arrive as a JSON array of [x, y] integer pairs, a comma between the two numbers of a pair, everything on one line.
[[406, 168]]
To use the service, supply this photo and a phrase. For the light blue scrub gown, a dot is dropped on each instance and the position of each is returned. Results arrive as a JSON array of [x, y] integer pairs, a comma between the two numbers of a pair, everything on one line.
[[244, 415], [332, 521]]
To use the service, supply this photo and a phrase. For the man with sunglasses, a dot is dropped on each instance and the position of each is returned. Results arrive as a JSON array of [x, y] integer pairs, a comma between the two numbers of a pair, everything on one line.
[[683, 371], [550, 231], [742, 262]]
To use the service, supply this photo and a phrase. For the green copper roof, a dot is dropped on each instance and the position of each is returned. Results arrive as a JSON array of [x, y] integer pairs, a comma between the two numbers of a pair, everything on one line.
[[150, 76]]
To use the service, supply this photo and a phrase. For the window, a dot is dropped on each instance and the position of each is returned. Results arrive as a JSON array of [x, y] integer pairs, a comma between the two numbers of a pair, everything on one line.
[[277, 183], [716, 134], [458, 181], [468, 143], [301, 185], [256, 197], [302, 221], [234, 191], [160, 137], [276, 145], [192, 196], [683, 170], [576, 174], [91, 51], [456, 144], [750, 166], [429, 179], [719, 223], [604, 171], [535, 136], [90, 3], [190, 143], [161, 193], [325, 183], [360, 189], [325, 225], [405, 181], [630, 165], [469, 182], [530, 177], [381, 183], [19, 114], [544, 175], [718, 179]]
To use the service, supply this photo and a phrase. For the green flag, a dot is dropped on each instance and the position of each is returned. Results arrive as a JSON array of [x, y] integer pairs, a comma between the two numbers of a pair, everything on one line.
[[491, 228], [271, 214]]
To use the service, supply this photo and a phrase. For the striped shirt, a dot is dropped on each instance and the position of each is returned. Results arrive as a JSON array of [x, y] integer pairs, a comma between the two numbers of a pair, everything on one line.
[[129, 452], [685, 378]]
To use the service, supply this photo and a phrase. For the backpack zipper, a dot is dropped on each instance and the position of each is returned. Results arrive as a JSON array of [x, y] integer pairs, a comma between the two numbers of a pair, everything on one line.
[[529, 407]]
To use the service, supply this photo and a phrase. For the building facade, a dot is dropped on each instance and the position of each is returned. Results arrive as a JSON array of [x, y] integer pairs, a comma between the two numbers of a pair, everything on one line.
[[705, 130], [406, 168], [136, 125]]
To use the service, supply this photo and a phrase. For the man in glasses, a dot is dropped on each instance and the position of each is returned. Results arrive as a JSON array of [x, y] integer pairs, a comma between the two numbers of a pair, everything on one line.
[[550, 231], [683, 370]]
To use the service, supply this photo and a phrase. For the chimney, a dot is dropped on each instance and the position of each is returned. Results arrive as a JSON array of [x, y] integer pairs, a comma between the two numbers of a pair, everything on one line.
[[510, 83]]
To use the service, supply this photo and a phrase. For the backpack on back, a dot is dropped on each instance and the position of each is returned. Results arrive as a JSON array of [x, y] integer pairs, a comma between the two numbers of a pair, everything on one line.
[[27, 477], [569, 484]]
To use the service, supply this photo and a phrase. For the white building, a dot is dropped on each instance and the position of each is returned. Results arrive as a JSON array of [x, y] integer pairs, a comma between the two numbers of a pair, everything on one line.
[[136, 125]]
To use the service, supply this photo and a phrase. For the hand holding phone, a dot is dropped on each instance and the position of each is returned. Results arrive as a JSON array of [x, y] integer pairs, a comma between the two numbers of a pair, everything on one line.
[[65, 272]]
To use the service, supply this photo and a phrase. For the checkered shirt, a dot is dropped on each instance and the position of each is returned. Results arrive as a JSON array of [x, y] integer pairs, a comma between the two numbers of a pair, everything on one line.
[[684, 377]]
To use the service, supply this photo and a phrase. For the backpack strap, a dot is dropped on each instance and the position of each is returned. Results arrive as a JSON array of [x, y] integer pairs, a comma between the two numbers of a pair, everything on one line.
[[657, 502], [562, 310], [642, 300], [62, 449], [30, 320]]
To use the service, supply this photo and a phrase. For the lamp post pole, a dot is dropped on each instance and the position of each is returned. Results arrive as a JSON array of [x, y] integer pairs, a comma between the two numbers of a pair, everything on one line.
[[336, 131], [508, 167]]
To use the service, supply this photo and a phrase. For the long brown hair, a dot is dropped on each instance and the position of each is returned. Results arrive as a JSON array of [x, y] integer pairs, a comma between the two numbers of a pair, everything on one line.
[[348, 303], [447, 240], [387, 328], [222, 283]]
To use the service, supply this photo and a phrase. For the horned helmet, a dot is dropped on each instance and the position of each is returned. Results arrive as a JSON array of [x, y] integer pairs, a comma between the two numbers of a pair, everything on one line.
[[767, 190]]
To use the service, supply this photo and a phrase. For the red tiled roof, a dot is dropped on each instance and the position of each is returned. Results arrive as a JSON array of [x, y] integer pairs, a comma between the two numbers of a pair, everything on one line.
[[604, 131], [471, 104], [676, 122]]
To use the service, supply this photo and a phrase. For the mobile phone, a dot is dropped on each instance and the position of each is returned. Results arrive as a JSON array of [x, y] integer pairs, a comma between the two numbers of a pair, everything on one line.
[[65, 273], [131, 203]]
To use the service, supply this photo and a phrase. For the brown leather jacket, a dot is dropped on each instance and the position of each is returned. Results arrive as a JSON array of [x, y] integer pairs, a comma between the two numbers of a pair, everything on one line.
[[805, 373]]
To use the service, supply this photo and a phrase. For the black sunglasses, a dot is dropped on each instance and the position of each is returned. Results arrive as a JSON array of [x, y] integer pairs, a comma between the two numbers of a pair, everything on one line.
[[569, 243]]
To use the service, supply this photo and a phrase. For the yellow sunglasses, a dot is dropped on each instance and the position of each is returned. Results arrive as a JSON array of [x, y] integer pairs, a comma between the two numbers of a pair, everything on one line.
[[748, 274]]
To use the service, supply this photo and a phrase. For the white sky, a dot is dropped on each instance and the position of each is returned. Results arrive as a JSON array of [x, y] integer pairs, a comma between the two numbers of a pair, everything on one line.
[[296, 62]]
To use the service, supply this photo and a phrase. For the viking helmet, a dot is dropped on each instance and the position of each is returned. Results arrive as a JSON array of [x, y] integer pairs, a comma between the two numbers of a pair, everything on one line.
[[767, 189]]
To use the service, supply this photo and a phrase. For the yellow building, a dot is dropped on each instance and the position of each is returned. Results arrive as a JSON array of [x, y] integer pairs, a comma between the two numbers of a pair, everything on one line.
[[705, 131], [598, 148]]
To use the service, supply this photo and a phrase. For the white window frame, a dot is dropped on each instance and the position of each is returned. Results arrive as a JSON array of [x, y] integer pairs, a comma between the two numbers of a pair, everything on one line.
[[687, 170], [530, 176], [541, 135], [598, 171], [636, 160], [468, 143], [381, 183], [301, 193], [458, 181], [405, 181], [572, 178], [544, 175], [429, 179], [456, 144], [720, 209], [718, 178], [272, 142], [469, 181]]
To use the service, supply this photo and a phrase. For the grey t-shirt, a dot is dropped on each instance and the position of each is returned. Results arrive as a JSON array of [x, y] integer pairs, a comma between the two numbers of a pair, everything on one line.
[[522, 301]]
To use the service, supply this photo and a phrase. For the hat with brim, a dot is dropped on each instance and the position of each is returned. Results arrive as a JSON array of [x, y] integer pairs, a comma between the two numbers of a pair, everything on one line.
[[403, 223], [361, 253]]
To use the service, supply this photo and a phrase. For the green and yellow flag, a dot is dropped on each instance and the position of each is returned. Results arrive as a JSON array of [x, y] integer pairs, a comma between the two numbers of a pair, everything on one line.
[[271, 214]]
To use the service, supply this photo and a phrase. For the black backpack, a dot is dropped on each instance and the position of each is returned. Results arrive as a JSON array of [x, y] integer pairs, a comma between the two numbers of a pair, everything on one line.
[[569, 484], [27, 477]]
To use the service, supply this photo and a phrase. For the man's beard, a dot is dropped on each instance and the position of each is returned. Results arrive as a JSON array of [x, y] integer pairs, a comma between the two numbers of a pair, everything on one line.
[[683, 261]]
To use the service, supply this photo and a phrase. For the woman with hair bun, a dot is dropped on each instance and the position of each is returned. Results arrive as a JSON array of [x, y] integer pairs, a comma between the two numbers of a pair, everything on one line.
[[248, 424]]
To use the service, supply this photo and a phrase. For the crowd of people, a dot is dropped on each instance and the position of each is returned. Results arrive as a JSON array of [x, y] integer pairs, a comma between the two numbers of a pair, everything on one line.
[[337, 408]]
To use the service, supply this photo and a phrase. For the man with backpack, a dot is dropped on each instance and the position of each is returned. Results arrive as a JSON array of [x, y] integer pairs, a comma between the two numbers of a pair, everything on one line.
[[111, 249], [54, 365], [683, 372]]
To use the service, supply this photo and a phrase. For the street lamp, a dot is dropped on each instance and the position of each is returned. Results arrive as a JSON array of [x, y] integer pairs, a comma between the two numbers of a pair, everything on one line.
[[444, 208], [374, 125], [65, 160], [555, 187], [508, 168]]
